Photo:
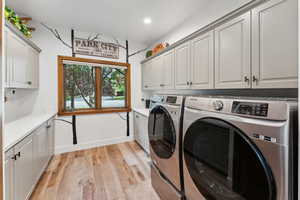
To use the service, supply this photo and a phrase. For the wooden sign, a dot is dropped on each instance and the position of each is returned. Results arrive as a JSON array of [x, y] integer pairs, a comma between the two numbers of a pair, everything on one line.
[[96, 48]]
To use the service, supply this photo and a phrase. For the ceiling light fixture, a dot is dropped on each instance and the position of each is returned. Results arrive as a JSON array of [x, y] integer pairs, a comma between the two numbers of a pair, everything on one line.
[[147, 20]]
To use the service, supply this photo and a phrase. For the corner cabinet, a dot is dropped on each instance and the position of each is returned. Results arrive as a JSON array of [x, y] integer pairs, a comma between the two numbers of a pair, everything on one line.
[[158, 74], [26, 161], [275, 44], [21, 62]]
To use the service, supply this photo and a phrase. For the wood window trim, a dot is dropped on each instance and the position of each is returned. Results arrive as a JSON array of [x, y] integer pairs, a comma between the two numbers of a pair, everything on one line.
[[98, 109]]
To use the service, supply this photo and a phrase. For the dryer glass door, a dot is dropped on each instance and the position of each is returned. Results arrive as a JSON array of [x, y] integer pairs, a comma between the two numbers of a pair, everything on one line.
[[162, 134], [225, 164]]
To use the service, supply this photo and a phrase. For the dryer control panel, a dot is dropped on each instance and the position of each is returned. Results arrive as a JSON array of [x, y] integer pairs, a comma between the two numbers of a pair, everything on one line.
[[250, 108]]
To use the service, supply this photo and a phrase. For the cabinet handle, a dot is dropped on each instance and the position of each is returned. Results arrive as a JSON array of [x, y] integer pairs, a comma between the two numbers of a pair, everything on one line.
[[29, 82], [246, 79], [146, 86], [187, 83], [254, 79], [14, 157], [49, 126], [18, 154], [191, 83], [162, 85]]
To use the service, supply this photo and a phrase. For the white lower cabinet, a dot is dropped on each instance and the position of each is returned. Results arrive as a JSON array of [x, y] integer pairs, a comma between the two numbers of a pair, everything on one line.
[[26, 161], [9, 171], [141, 131], [40, 149], [50, 137], [23, 173]]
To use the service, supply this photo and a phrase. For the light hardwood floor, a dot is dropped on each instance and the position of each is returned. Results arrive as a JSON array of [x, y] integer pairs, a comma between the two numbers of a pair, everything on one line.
[[114, 172]]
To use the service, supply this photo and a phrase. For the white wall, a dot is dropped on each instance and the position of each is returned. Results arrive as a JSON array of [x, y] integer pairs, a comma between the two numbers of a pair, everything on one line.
[[92, 130]]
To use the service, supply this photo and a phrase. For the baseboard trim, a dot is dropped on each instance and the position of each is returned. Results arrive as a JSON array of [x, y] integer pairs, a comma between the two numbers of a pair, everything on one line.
[[71, 148]]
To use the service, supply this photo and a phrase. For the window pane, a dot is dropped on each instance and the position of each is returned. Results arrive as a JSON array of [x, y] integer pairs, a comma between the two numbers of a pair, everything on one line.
[[79, 87], [113, 87]]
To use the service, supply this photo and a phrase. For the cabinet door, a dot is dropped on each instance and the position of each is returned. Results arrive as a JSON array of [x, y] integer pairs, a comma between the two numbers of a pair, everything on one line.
[[9, 175], [40, 150], [135, 127], [147, 73], [275, 46], [156, 72], [8, 59], [32, 68], [167, 72], [202, 61], [18, 51], [24, 180], [50, 138], [182, 66], [145, 134], [137, 133], [232, 53]]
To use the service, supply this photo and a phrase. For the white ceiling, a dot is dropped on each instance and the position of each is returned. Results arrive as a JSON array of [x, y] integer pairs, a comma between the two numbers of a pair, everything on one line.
[[120, 18]]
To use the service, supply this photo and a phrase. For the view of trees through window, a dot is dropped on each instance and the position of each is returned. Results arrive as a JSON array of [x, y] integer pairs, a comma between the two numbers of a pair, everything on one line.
[[80, 87], [113, 87]]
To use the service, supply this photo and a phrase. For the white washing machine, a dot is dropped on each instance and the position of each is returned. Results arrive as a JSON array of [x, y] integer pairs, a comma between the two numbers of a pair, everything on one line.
[[240, 149], [164, 126]]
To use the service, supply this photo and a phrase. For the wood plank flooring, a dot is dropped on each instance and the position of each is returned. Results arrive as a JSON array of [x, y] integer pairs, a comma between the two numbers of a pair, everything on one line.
[[114, 172]]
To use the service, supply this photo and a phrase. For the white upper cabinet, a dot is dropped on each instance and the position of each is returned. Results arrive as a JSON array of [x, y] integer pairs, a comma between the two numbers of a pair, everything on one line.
[[182, 65], [17, 61], [232, 53], [202, 62], [258, 49], [22, 63], [275, 44], [147, 75], [32, 68], [156, 72], [167, 72]]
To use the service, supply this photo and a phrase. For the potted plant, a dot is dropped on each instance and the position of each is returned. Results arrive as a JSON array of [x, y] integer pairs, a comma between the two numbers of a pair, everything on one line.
[[13, 18]]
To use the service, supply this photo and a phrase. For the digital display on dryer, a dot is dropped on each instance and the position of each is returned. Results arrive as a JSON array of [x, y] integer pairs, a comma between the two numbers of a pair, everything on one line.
[[250, 108], [171, 99]]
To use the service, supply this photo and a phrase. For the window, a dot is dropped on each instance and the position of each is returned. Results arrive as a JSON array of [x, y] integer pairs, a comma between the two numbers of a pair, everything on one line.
[[92, 86]]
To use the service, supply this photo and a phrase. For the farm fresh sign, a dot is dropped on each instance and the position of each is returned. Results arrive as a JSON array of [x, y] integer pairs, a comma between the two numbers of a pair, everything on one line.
[[96, 48]]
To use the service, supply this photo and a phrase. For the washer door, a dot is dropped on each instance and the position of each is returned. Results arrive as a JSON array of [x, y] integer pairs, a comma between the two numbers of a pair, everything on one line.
[[162, 134], [225, 164]]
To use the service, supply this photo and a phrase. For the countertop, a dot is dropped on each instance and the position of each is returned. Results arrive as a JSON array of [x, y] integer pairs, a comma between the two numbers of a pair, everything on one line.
[[143, 111], [17, 130]]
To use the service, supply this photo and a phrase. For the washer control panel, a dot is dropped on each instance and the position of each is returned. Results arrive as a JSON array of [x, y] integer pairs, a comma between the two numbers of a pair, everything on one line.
[[218, 105], [250, 108]]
